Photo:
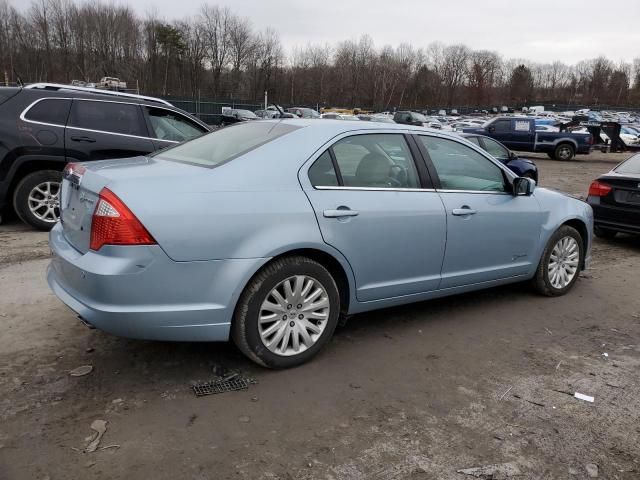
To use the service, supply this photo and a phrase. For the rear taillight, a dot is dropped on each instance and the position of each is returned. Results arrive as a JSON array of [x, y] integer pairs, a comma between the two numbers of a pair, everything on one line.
[[114, 224], [598, 189]]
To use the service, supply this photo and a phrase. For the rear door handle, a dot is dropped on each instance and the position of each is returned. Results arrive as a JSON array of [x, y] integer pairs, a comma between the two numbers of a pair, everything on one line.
[[83, 139], [460, 212], [340, 212]]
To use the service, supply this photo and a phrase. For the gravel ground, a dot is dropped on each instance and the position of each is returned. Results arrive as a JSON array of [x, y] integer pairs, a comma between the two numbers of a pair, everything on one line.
[[418, 392]]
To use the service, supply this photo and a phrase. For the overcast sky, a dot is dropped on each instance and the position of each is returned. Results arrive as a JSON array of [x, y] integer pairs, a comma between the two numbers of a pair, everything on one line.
[[539, 30]]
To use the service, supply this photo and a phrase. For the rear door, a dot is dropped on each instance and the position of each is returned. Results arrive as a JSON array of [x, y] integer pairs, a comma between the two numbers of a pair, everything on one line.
[[523, 134], [377, 208], [99, 130]]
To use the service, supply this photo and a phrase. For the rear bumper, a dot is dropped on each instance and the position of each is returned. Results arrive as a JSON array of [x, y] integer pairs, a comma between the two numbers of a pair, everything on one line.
[[139, 292], [620, 219]]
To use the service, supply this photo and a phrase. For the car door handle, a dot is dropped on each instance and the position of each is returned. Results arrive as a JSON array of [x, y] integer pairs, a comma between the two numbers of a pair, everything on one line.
[[463, 211], [340, 212], [83, 139]]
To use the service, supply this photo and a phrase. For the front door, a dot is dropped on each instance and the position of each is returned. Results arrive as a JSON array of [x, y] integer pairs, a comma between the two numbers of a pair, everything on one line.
[[491, 234], [374, 208]]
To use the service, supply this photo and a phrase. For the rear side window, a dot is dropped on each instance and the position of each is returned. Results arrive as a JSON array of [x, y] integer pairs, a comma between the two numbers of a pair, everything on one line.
[[631, 166], [107, 117], [226, 144], [322, 173], [474, 140], [168, 125], [50, 110]]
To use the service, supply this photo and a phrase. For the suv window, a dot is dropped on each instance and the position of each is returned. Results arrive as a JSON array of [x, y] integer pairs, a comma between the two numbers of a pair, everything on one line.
[[224, 145], [376, 161], [107, 117], [495, 149], [168, 125], [322, 173], [502, 126], [50, 110], [462, 168]]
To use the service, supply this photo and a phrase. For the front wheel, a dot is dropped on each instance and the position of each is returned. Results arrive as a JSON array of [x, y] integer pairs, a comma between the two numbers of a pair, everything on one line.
[[36, 199], [560, 264], [287, 313]]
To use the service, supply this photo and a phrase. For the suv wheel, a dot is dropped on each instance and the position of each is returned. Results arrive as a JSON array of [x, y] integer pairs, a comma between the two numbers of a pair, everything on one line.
[[287, 313], [560, 264], [36, 199]]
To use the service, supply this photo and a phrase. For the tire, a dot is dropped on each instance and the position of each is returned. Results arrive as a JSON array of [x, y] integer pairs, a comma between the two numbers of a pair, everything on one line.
[[542, 281], [564, 152], [248, 332], [44, 187], [604, 233]]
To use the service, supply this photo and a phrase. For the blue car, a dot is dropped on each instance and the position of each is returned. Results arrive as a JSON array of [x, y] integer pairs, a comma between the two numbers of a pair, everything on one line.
[[268, 232], [520, 166]]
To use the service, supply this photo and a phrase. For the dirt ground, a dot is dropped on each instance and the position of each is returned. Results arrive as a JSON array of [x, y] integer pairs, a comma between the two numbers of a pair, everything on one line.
[[417, 392]]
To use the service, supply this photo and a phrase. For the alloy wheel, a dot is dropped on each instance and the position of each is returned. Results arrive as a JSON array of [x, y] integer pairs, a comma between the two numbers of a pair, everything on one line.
[[44, 201], [293, 315], [563, 262]]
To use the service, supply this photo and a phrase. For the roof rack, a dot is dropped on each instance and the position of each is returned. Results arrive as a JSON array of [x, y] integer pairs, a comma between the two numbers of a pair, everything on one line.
[[59, 86]]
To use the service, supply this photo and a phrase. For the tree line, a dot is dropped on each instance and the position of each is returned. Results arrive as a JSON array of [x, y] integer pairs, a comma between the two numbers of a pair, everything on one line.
[[219, 54]]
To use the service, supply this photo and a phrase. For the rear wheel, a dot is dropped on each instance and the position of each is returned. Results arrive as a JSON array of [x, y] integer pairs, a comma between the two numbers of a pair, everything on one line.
[[560, 264], [36, 199], [287, 313], [604, 233], [564, 152]]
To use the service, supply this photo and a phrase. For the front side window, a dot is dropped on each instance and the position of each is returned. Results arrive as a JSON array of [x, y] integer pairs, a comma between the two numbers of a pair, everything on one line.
[[226, 144], [462, 168], [495, 149], [474, 140], [168, 125], [502, 126], [111, 117], [376, 161], [51, 110]]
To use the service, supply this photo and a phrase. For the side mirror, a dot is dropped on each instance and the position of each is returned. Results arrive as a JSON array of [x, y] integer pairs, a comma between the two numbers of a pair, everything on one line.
[[523, 187], [492, 129]]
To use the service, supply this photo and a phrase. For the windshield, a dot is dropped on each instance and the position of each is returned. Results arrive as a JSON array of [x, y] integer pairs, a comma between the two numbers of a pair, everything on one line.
[[226, 144]]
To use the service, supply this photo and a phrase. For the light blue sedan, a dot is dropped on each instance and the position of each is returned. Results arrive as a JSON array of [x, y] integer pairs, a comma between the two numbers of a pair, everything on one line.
[[268, 232]]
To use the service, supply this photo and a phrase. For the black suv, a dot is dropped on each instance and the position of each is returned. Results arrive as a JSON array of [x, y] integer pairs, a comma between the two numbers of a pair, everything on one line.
[[45, 126]]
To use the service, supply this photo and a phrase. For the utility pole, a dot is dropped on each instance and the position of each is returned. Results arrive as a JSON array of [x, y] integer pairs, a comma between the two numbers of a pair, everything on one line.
[[265, 99]]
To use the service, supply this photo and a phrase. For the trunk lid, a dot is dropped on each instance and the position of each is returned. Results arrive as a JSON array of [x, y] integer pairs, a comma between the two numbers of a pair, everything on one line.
[[82, 183]]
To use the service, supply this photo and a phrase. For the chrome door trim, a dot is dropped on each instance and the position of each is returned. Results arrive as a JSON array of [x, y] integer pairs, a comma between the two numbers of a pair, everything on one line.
[[376, 189]]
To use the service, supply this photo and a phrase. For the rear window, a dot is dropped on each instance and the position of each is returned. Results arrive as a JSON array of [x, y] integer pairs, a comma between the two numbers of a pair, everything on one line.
[[50, 110], [226, 144], [631, 166]]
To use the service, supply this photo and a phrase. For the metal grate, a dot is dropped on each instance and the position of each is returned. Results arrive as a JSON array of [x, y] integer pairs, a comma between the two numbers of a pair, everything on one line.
[[227, 384]]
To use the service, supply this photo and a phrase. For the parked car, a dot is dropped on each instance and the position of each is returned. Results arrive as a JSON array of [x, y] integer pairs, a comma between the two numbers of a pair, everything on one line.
[[236, 115], [339, 116], [113, 83], [303, 112], [44, 126], [519, 133], [406, 117], [615, 199], [272, 230], [520, 166], [376, 118]]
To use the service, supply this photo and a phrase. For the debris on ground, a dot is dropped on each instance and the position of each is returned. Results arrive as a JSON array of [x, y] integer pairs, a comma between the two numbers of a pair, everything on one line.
[[493, 472], [99, 426], [582, 396], [244, 419], [81, 371], [505, 393], [592, 470], [229, 383]]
